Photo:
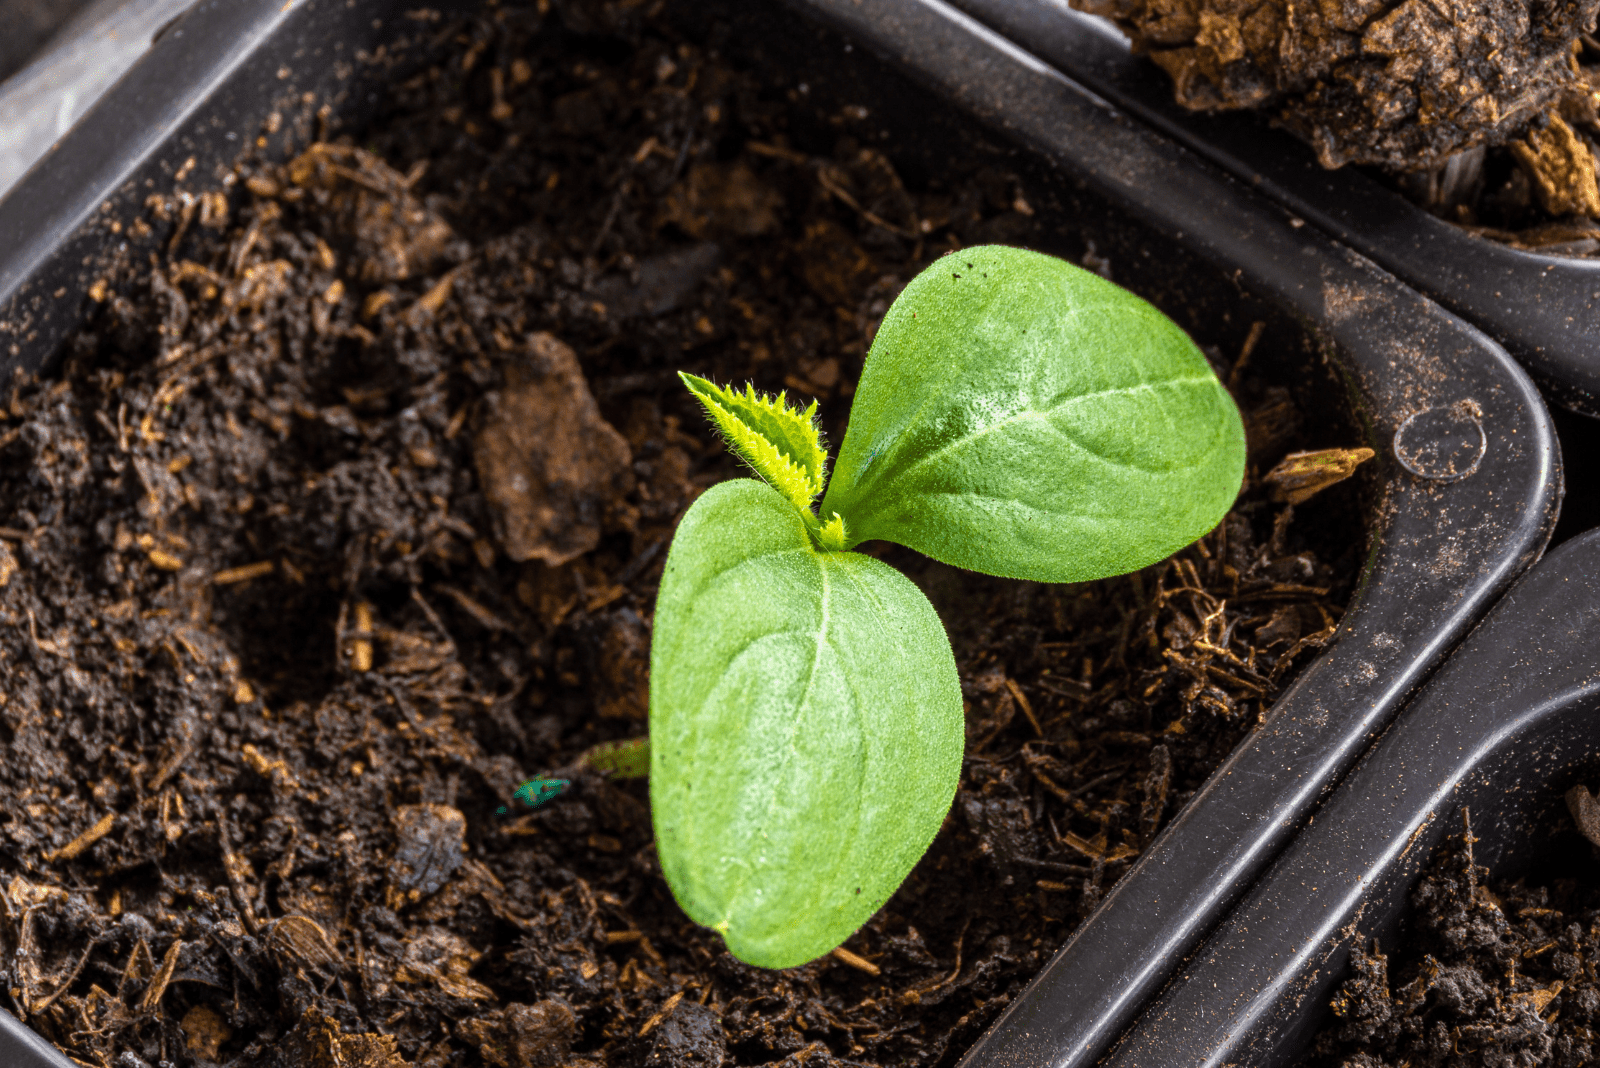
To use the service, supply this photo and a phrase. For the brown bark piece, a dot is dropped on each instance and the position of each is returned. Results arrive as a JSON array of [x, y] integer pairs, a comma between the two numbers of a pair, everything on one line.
[[546, 459], [1405, 85], [1300, 476], [523, 1036], [1585, 812], [300, 941], [1560, 165]]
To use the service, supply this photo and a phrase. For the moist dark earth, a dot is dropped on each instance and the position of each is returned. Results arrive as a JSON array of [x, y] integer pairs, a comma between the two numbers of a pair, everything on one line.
[[1406, 84], [1481, 111], [345, 516], [1492, 973]]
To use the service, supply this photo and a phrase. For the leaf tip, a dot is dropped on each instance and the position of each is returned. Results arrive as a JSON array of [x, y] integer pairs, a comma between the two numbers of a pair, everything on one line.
[[781, 443]]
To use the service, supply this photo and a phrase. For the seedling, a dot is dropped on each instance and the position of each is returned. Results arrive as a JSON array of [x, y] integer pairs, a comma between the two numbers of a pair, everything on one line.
[[626, 759], [535, 792], [1016, 416]]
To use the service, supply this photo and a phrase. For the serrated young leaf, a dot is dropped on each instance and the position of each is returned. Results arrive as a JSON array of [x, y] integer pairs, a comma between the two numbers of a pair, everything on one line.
[[832, 536], [1023, 417], [806, 728], [781, 443]]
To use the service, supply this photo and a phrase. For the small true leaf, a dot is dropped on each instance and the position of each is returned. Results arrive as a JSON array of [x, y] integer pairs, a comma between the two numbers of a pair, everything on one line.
[[782, 444], [805, 728], [625, 759], [1023, 417]]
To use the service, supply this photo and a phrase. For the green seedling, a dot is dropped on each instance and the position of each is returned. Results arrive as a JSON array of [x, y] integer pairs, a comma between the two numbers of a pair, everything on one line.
[[536, 792], [627, 759], [1016, 416]]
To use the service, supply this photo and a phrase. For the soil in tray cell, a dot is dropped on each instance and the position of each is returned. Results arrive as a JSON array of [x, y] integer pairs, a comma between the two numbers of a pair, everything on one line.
[[1488, 972], [346, 517]]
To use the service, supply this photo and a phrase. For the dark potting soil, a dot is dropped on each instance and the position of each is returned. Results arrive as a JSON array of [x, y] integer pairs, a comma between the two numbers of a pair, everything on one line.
[[1490, 974], [346, 515], [1485, 115], [1401, 85]]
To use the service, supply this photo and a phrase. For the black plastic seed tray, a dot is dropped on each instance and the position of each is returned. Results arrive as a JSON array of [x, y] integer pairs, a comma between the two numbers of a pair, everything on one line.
[[1544, 309], [1504, 729], [1460, 499]]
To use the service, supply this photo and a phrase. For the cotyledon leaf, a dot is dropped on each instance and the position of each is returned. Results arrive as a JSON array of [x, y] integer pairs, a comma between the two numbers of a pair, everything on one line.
[[805, 728], [1023, 417], [782, 444]]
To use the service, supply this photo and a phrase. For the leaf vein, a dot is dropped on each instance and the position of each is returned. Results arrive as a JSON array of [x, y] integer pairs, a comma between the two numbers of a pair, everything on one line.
[[1037, 414]]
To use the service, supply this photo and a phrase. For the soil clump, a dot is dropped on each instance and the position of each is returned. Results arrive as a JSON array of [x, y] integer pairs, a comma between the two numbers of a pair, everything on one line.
[[1491, 973], [346, 516], [1404, 85], [1482, 113]]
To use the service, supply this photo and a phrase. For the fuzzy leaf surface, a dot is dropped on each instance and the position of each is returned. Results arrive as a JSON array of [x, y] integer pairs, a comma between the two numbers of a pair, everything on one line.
[[1023, 417], [781, 443], [805, 728]]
